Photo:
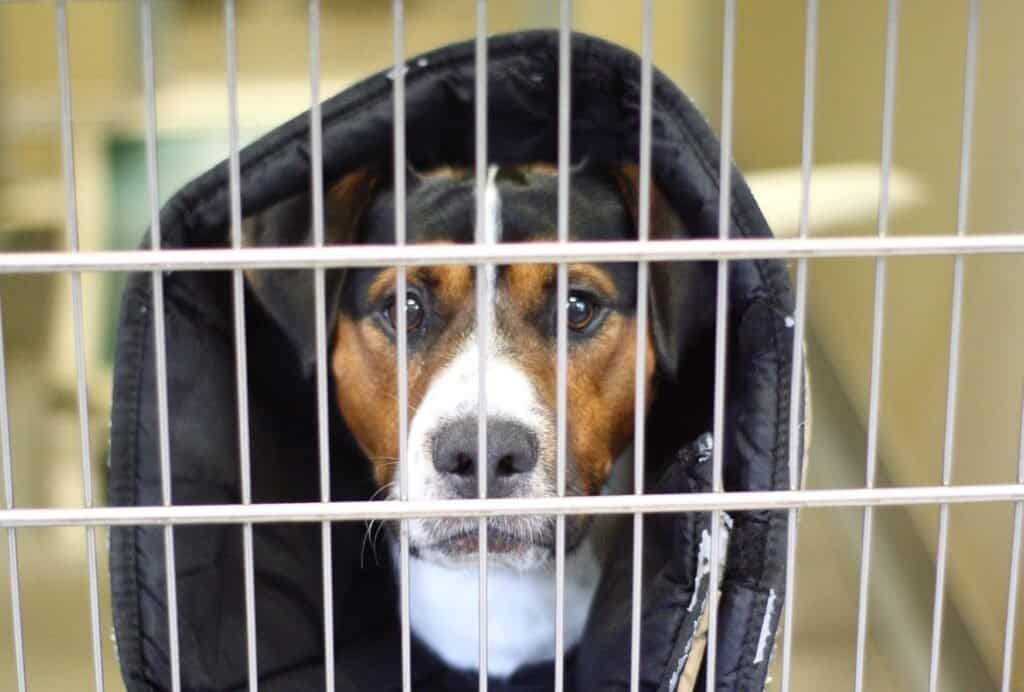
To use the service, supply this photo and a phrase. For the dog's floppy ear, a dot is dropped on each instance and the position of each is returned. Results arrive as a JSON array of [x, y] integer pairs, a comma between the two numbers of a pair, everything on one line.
[[673, 285], [287, 295]]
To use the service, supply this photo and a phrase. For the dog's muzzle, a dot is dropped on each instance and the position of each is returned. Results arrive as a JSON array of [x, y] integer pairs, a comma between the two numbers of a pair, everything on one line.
[[445, 461]]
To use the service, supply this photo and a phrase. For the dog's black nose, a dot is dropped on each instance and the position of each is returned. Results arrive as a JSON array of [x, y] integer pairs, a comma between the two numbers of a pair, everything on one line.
[[511, 453]]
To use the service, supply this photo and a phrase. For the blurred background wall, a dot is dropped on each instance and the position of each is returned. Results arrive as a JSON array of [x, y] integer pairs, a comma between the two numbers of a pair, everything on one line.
[[273, 59]]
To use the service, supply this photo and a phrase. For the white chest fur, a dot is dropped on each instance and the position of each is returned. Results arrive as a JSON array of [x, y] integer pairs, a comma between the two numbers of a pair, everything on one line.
[[520, 610]]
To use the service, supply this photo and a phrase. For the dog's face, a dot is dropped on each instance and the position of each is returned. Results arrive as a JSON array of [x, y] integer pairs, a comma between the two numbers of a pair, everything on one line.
[[443, 356], [444, 339]]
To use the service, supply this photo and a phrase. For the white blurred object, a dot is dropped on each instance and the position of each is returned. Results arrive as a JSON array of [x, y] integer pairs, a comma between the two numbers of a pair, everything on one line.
[[842, 195]]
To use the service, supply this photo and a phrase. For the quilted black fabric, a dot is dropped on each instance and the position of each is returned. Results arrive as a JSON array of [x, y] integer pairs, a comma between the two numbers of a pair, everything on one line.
[[357, 129]]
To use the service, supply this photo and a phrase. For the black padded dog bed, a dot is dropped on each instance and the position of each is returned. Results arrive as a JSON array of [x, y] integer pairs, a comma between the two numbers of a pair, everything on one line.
[[357, 129]]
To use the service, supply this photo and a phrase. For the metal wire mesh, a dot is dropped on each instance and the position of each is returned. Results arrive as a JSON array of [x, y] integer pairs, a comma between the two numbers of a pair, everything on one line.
[[483, 255]]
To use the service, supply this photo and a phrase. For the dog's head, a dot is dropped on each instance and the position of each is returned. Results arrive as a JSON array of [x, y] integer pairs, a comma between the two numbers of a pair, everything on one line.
[[444, 340]]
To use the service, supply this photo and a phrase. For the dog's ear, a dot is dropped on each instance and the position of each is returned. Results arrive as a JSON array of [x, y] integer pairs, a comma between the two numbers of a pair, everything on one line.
[[287, 295], [673, 285]]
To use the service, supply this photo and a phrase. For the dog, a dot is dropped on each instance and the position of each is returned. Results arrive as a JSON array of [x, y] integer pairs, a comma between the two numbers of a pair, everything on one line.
[[521, 205]]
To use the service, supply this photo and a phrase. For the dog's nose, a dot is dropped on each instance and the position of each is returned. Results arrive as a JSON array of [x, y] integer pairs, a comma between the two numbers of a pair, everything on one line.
[[511, 453]]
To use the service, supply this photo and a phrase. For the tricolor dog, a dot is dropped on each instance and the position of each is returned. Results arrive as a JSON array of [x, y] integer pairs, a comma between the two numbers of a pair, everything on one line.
[[443, 379]]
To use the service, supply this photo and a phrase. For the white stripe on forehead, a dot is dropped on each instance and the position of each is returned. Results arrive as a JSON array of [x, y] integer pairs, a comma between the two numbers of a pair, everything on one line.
[[492, 234], [492, 202]]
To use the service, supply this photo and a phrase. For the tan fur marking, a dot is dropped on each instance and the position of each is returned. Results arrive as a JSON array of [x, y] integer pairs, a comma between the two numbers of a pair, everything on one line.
[[363, 364], [601, 397], [595, 278], [664, 223], [461, 172], [382, 284], [345, 202], [540, 167], [526, 286], [443, 172], [450, 284]]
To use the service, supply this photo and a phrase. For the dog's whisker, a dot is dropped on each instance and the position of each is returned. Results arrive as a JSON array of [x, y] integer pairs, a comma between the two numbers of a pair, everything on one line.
[[384, 488], [362, 547], [373, 540], [368, 537], [380, 528], [387, 464]]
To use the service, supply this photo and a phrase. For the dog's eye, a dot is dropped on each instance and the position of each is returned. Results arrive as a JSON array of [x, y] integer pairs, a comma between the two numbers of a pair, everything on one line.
[[581, 310], [414, 312]]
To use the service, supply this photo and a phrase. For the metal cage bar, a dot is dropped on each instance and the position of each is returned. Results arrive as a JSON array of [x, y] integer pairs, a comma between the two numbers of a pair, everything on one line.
[[796, 398], [78, 328], [642, 280], [1014, 576], [721, 327], [270, 512], [104, 261], [878, 324], [963, 193], [320, 330], [398, 41], [12, 538], [485, 233], [159, 338], [241, 357], [562, 326]]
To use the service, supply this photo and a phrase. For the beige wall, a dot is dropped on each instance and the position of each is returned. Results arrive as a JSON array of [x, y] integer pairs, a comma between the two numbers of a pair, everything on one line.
[[927, 126]]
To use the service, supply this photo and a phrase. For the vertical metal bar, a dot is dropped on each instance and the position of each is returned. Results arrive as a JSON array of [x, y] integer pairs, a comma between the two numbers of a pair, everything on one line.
[[241, 357], [12, 538], [954, 342], [721, 326], [1011, 594], [484, 301], [640, 395], [561, 326], [320, 328], [159, 340], [82, 391], [398, 40], [874, 396], [800, 320]]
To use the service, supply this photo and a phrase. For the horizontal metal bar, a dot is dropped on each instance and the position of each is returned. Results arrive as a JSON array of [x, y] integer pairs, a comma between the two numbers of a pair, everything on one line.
[[504, 253], [495, 507]]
